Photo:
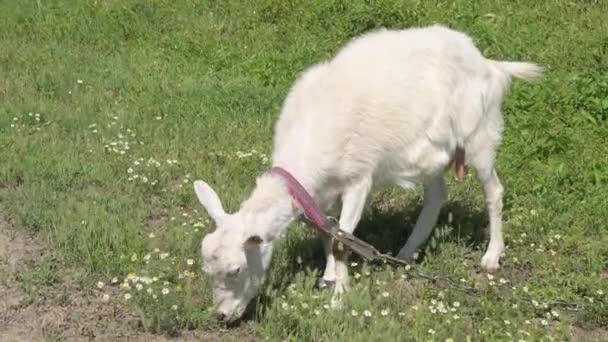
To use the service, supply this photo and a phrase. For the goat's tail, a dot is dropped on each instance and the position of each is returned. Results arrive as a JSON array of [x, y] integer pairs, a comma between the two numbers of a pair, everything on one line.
[[522, 70]]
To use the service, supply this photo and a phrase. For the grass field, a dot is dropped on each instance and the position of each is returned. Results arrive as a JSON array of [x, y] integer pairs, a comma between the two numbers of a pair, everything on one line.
[[110, 109]]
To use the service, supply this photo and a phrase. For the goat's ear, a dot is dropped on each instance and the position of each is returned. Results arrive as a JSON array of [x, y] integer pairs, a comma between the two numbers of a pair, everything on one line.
[[209, 199], [252, 242]]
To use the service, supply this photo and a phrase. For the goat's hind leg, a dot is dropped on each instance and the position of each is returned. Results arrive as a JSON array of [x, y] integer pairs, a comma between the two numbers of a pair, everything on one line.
[[484, 165], [435, 193], [493, 191]]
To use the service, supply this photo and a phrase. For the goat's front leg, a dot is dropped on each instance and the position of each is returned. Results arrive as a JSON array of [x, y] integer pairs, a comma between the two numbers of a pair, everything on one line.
[[353, 203]]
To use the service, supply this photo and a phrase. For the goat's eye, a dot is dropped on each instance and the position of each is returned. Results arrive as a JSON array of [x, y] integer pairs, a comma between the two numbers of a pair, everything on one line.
[[234, 272]]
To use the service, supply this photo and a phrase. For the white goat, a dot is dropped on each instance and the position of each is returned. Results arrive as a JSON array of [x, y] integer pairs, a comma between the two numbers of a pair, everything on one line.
[[391, 108]]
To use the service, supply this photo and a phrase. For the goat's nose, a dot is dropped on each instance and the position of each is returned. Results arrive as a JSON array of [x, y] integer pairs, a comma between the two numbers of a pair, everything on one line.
[[220, 316]]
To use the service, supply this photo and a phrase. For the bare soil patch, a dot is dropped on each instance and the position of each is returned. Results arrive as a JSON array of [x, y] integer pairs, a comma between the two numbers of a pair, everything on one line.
[[584, 335], [65, 311]]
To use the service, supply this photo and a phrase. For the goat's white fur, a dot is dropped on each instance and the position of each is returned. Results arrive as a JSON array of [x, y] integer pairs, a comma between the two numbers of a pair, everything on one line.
[[390, 109]]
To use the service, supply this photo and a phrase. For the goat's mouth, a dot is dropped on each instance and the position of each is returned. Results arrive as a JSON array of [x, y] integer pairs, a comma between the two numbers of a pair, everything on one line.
[[230, 323], [237, 318]]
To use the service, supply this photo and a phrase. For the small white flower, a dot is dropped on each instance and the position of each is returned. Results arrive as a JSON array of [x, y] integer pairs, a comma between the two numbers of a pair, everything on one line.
[[490, 277], [456, 304], [544, 322], [354, 264], [385, 294], [147, 257], [163, 256], [503, 281], [367, 313], [129, 170], [525, 289], [100, 285], [114, 280], [600, 292], [456, 317], [507, 322], [190, 262], [401, 314], [127, 296], [174, 307], [165, 291], [105, 298], [354, 313], [79, 81], [415, 307], [304, 306], [527, 321], [139, 287], [285, 306], [326, 306], [431, 331], [317, 312], [384, 312], [357, 275], [554, 313]]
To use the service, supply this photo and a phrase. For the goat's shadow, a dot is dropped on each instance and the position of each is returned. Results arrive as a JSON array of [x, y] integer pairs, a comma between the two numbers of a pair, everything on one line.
[[385, 227], [388, 229]]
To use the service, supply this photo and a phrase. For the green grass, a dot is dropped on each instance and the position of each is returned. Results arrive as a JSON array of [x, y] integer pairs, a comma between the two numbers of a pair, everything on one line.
[[199, 81]]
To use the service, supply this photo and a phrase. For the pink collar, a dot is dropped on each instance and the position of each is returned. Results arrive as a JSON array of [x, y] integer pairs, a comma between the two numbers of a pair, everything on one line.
[[311, 209]]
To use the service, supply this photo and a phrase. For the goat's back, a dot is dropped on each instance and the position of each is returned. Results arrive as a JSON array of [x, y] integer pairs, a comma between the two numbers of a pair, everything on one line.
[[395, 102]]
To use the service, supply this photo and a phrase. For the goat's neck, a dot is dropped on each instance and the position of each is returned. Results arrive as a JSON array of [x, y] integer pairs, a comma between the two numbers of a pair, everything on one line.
[[270, 208]]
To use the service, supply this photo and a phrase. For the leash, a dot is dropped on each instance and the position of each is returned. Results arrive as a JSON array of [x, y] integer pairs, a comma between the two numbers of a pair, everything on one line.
[[329, 226]]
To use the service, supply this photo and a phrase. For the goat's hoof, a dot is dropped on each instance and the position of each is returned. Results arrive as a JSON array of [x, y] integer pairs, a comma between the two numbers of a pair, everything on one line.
[[327, 284], [490, 262], [407, 256]]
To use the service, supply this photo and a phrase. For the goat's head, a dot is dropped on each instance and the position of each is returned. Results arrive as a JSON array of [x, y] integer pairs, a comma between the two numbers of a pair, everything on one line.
[[233, 257]]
